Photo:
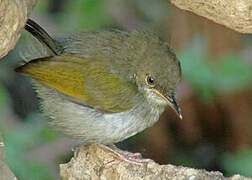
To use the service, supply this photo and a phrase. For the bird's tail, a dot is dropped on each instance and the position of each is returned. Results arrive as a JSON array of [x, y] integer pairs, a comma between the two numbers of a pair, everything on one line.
[[40, 34]]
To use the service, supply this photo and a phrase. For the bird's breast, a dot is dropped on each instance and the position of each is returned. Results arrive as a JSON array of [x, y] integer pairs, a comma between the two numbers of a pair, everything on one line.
[[128, 123]]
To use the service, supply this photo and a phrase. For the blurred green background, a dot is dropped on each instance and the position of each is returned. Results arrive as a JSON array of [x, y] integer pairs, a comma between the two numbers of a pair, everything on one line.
[[215, 94]]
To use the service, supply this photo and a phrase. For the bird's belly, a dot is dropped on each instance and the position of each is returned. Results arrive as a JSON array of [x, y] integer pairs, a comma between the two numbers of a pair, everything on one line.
[[91, 126]]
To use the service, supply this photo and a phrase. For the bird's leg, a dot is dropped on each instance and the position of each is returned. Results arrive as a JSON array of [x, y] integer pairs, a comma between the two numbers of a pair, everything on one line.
[[133, 158], [136, 155]]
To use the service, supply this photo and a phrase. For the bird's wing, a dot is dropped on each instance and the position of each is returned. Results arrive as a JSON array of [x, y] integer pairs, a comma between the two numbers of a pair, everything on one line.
[[83, 79]]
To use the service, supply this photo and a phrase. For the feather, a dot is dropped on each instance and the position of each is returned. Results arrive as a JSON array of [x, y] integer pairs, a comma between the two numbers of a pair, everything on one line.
[[84, 79]]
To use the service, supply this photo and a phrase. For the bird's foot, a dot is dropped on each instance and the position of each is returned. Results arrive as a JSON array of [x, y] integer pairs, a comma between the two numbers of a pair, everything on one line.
[[133, 158]]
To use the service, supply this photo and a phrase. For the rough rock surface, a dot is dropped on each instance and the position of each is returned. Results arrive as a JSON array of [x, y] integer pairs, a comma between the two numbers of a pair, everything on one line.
[[235, 14], [13, 16], [94, 162]]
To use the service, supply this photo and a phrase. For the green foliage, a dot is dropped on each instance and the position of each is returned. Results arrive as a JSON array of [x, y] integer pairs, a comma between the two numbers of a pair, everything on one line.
[[20, 141], [186, 159], [28, 169], [42, 6], [195, 68], [238, 163], [228, 75], [1, 99], [89, 14], [232, 74]]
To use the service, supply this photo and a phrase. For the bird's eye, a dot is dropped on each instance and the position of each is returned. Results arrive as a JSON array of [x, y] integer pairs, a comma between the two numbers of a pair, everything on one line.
[[149, 80]]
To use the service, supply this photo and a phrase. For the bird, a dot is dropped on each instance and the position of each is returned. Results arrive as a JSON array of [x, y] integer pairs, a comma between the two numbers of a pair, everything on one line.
[[103, 86]]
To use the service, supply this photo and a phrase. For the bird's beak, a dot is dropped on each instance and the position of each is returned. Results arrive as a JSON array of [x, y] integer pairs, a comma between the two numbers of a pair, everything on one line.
[[171, 101]]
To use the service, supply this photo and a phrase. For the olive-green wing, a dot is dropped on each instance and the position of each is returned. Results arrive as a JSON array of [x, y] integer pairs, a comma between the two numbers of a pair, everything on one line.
[[84, 79]]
